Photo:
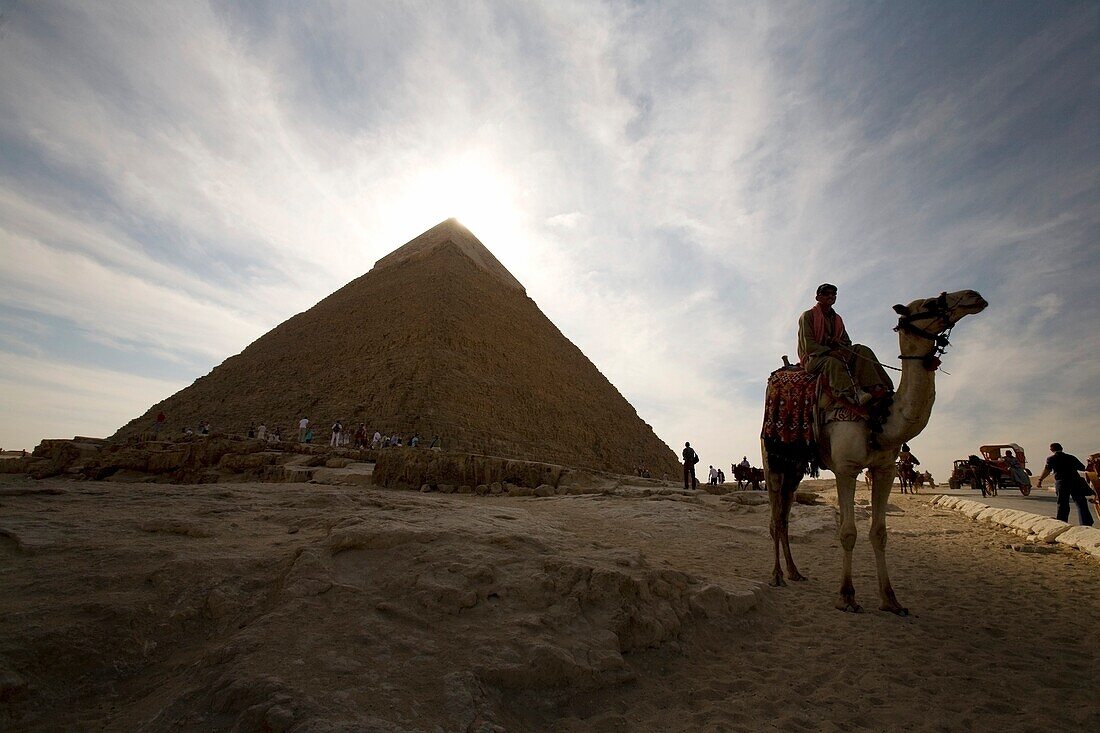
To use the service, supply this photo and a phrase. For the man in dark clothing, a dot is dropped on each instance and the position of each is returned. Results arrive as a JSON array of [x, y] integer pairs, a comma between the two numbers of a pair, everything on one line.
[[1068, 484], [690, 459]]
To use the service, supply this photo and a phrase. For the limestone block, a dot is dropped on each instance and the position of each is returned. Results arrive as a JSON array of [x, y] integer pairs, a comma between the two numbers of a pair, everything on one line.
[[972, 509], [985, 514], [496, 488], [481, 489], [1048, 529], [544, 490], [1007, 517], [425, 488], [1083, 538], [1027, 521]]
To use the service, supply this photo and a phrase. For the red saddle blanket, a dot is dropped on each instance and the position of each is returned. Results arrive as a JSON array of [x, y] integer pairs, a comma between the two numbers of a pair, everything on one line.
[[789, 406]]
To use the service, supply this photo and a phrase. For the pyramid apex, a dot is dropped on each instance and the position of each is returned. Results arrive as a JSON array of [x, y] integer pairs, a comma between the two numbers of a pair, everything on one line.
[[450, 231]]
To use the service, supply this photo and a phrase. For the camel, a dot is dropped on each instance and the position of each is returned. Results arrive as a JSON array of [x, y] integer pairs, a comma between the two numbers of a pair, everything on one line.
[[846, 448], [923, 478]]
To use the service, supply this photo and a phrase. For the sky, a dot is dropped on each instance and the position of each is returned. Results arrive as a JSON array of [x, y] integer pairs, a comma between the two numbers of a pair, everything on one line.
[[669, 180]]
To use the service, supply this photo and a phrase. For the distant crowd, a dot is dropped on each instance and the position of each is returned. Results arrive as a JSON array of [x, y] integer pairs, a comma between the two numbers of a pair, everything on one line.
[[339, 435]]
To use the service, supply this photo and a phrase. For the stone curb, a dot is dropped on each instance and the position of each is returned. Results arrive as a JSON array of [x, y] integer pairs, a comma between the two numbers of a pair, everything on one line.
[[1033, 526]]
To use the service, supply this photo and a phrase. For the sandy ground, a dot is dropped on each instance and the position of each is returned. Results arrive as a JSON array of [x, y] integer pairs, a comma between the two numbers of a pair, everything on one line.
[[318, 608]]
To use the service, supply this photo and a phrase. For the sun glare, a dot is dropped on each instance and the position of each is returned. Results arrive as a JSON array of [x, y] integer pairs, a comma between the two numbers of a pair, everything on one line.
[[472, 190]]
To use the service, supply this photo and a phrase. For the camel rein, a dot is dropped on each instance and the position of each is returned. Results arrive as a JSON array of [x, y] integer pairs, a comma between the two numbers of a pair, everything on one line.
[[940, 340]]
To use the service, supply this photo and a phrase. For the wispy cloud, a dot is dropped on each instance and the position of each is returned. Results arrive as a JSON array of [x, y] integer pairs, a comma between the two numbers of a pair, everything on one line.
[[670, 181]]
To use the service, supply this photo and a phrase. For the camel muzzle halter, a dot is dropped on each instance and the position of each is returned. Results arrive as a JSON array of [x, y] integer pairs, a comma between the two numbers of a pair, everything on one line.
[[937, 308]]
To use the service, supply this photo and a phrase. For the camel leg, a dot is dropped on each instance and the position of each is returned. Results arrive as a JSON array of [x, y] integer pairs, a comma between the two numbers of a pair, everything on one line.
[[775, 492], [883, 479], [846, 530], [790, 486]]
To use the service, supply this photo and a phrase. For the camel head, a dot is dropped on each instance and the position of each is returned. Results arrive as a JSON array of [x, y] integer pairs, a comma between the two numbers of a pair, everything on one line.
[[922, 325]]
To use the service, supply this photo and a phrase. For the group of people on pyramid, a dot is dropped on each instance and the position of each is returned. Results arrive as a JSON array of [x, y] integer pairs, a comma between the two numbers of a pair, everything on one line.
[[361, 437]]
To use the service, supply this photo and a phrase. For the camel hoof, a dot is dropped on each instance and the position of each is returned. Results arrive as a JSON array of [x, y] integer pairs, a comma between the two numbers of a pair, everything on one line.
[[778, 582], [895, 609], [797, 577], [849, 607]]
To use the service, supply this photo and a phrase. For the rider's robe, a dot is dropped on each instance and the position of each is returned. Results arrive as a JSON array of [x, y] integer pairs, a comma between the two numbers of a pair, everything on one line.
[[859, 361]]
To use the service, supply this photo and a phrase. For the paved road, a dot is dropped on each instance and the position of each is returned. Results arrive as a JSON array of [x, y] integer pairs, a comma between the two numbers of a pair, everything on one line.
[[1042, 501]]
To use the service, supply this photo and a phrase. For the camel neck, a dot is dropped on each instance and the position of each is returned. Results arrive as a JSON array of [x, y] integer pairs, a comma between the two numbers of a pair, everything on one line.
[[913, 401]]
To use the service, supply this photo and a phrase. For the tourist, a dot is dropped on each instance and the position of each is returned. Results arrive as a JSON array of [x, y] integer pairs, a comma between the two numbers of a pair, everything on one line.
[[435, 443], [261, 432], [414, 440], [337, 428], [721, 477], [712, 476], [251, 431], [376, 441], [276, 435], [690, 459], [303, 424], [1019, 475], [158, 424], [825, 348], [308, 437], [204, 428], [1068, 484]]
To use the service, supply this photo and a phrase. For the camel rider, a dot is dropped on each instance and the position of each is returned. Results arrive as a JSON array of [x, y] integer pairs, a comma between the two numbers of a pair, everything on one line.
[[906, 457], [825, 348]]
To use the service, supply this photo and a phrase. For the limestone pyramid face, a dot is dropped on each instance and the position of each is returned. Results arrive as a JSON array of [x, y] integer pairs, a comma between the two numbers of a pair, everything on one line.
[[438, 338]]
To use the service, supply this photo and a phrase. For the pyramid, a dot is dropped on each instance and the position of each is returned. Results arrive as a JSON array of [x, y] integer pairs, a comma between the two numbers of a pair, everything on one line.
[[437, 338]]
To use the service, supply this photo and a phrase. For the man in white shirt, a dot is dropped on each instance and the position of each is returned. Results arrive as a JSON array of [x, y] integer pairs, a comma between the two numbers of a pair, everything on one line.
[[713, 475]]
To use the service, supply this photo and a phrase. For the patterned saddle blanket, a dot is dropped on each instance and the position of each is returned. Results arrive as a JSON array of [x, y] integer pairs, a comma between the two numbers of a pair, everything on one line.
[[797, 405]]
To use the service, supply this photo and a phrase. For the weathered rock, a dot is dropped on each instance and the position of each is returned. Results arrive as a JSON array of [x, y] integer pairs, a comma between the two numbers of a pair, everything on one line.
[[544, 490], [805, 496]]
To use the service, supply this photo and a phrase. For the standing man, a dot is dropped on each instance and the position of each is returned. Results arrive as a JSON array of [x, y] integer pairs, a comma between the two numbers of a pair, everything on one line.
[[303, 424], [1068, 484], [158, 424], [824, 347], [690, 459], [712, 476]]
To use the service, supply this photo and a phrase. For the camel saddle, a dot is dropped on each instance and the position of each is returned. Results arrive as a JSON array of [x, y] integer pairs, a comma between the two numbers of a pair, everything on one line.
[[797, 406]]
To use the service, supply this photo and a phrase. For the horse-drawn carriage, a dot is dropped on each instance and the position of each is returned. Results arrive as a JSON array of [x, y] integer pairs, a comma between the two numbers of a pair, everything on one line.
[[995, 470]]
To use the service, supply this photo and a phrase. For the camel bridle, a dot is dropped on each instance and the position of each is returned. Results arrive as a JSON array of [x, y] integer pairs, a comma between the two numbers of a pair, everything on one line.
[[936, 308]]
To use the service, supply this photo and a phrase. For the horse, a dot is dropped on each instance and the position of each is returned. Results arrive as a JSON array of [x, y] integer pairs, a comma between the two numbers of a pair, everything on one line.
[[742, 474], [906, 477], [983, 478]]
